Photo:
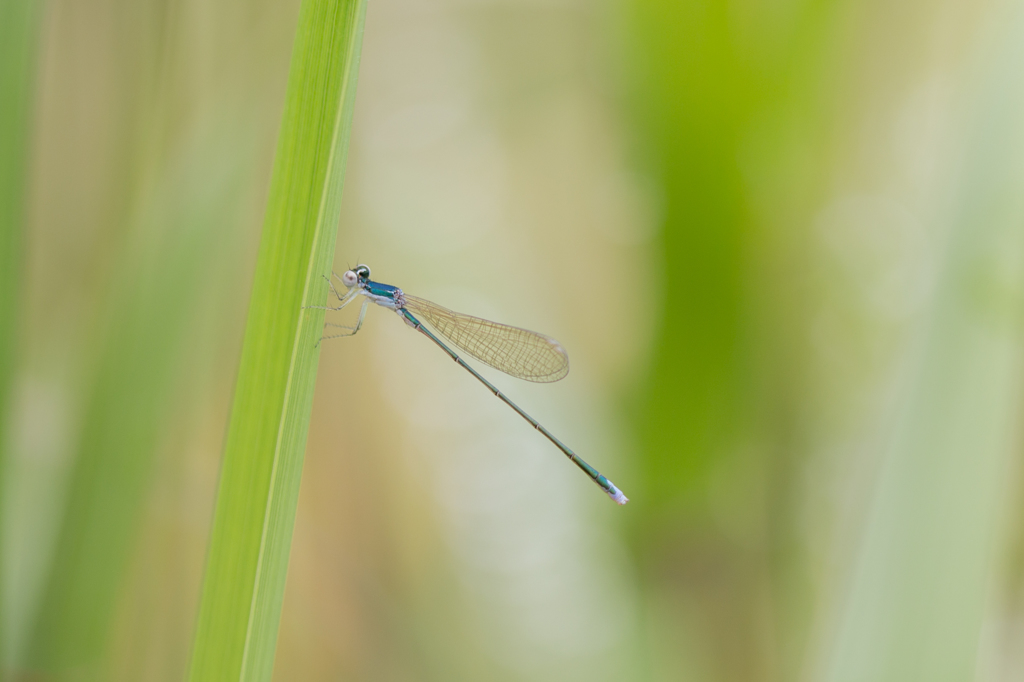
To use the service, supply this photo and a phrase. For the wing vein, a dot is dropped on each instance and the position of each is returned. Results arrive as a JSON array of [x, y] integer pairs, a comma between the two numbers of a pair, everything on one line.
[[517, 352]]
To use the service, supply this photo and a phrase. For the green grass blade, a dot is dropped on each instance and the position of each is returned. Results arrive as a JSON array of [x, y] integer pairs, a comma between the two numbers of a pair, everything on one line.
[[258, 492], [18, 31], [17, 42]]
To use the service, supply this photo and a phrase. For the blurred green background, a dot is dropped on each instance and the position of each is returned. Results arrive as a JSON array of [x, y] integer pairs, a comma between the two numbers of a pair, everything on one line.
[[783, 243]]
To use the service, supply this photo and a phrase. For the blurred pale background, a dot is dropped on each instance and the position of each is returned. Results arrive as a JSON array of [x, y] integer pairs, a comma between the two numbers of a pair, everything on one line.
[[783, 243]]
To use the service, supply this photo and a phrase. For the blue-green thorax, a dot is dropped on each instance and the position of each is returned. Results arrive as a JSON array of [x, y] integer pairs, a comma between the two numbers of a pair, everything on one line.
[[383, 294]]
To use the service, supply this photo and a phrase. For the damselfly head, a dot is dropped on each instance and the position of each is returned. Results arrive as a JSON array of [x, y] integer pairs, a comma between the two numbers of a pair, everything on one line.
[[360, 273]]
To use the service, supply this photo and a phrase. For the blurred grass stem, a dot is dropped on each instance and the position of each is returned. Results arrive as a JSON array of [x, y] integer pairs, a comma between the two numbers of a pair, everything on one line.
[[18, 35], [927, 565]]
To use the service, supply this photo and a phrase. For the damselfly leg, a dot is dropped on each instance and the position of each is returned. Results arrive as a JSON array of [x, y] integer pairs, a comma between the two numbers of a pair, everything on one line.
[[343, 301], [351, 331]]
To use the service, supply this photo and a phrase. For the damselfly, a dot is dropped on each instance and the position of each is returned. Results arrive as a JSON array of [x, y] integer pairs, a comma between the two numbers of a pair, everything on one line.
[[514, 351]]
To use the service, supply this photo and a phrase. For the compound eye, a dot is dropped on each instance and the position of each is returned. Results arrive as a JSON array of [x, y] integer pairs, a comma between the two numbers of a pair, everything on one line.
[[362, 271], [349, 279]]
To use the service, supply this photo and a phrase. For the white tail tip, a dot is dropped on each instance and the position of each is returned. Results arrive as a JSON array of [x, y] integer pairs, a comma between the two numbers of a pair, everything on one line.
[[616, 494]]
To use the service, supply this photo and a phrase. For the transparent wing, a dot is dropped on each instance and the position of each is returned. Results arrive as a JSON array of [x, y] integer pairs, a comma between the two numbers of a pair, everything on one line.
[[516, 352]]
